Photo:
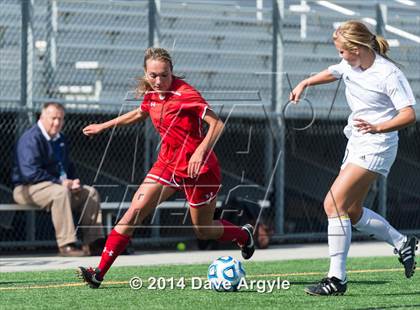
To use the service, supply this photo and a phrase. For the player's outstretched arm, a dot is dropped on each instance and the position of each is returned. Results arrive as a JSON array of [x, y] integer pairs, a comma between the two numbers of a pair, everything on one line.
[[215, 129], [319, 78], [122, 120]]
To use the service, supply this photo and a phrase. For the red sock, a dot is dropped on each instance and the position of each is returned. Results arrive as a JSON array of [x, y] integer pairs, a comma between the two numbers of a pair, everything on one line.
[[232, 232], [115, 244]]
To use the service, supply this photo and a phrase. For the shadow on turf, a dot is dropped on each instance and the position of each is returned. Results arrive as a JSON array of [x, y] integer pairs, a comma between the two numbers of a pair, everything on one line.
[[11, 282], [27, 281], [391, 307], [114, 286], [400, 294], [350, 282]]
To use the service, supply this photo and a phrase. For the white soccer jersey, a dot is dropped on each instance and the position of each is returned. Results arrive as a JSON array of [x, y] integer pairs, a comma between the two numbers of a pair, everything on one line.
[[374, 95]]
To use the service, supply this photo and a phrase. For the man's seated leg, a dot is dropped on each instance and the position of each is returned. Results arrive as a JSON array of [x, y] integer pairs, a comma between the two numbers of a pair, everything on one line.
[[87, 203], [56, 198]]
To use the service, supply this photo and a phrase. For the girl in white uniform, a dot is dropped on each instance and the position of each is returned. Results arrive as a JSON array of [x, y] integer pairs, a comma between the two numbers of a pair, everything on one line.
[[381, 101]]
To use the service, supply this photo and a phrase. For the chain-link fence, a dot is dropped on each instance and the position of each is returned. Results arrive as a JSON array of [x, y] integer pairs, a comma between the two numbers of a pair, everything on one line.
[[314, 155], [88, 54]]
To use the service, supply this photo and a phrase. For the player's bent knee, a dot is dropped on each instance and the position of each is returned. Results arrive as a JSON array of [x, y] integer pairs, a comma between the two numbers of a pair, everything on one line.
[[327, 205], [330, 207]]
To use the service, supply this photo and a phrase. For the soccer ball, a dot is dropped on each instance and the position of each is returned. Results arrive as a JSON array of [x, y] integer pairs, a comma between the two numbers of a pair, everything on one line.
[[225, 274]]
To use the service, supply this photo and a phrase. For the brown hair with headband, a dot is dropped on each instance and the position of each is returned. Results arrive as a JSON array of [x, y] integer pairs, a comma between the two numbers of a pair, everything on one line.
[[154, 53]]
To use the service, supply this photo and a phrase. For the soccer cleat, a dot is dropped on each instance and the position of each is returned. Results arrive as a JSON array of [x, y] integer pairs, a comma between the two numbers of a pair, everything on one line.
[[249, 248], [327, 287], [407, 255], [90, 276]]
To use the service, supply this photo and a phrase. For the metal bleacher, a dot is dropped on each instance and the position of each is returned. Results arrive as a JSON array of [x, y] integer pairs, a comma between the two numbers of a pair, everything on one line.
[[222, 51], [115, 36], [316, 51]]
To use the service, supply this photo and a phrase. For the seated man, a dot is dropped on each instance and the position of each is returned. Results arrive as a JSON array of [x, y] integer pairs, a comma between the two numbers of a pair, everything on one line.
[[44, 176]]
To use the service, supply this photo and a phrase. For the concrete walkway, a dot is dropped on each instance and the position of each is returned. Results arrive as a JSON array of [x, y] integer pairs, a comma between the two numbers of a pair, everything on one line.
[[282, 252]]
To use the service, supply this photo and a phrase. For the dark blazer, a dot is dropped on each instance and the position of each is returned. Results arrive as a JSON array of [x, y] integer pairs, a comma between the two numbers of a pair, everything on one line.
[[35, 161]]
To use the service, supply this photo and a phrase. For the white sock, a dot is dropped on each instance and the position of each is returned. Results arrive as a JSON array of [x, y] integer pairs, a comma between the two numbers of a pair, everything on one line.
[[339, 239], [376, 226]]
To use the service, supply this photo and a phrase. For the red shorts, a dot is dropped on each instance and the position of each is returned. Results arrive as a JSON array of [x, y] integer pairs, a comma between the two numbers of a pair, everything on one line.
[[198, 191]]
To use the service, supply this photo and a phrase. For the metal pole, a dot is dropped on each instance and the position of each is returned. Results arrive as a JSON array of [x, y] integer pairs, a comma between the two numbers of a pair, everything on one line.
[[303, 21], [276, 107], [382, 198], [270, 149], [51, 52], [275, 22], [152, 22], [30, 62], [381, 18], [259, 7], [154, 5], [24, 52], [26, 88], [147, 124]]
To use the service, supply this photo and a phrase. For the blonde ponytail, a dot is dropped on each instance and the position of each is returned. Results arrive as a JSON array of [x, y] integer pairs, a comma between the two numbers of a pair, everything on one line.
[[380, 45], [355, 33]]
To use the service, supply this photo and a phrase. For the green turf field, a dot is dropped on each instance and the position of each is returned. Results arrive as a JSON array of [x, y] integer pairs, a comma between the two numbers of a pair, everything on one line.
[[374, 283]]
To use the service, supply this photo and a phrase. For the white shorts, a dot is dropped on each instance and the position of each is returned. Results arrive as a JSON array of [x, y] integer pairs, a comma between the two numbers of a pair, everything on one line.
[[371, 156]]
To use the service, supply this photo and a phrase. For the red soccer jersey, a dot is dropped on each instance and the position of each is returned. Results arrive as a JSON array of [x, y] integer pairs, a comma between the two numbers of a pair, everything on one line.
[[178, 117]]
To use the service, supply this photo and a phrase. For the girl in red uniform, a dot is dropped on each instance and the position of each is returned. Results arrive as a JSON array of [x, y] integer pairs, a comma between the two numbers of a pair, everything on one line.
[[186, 162]]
